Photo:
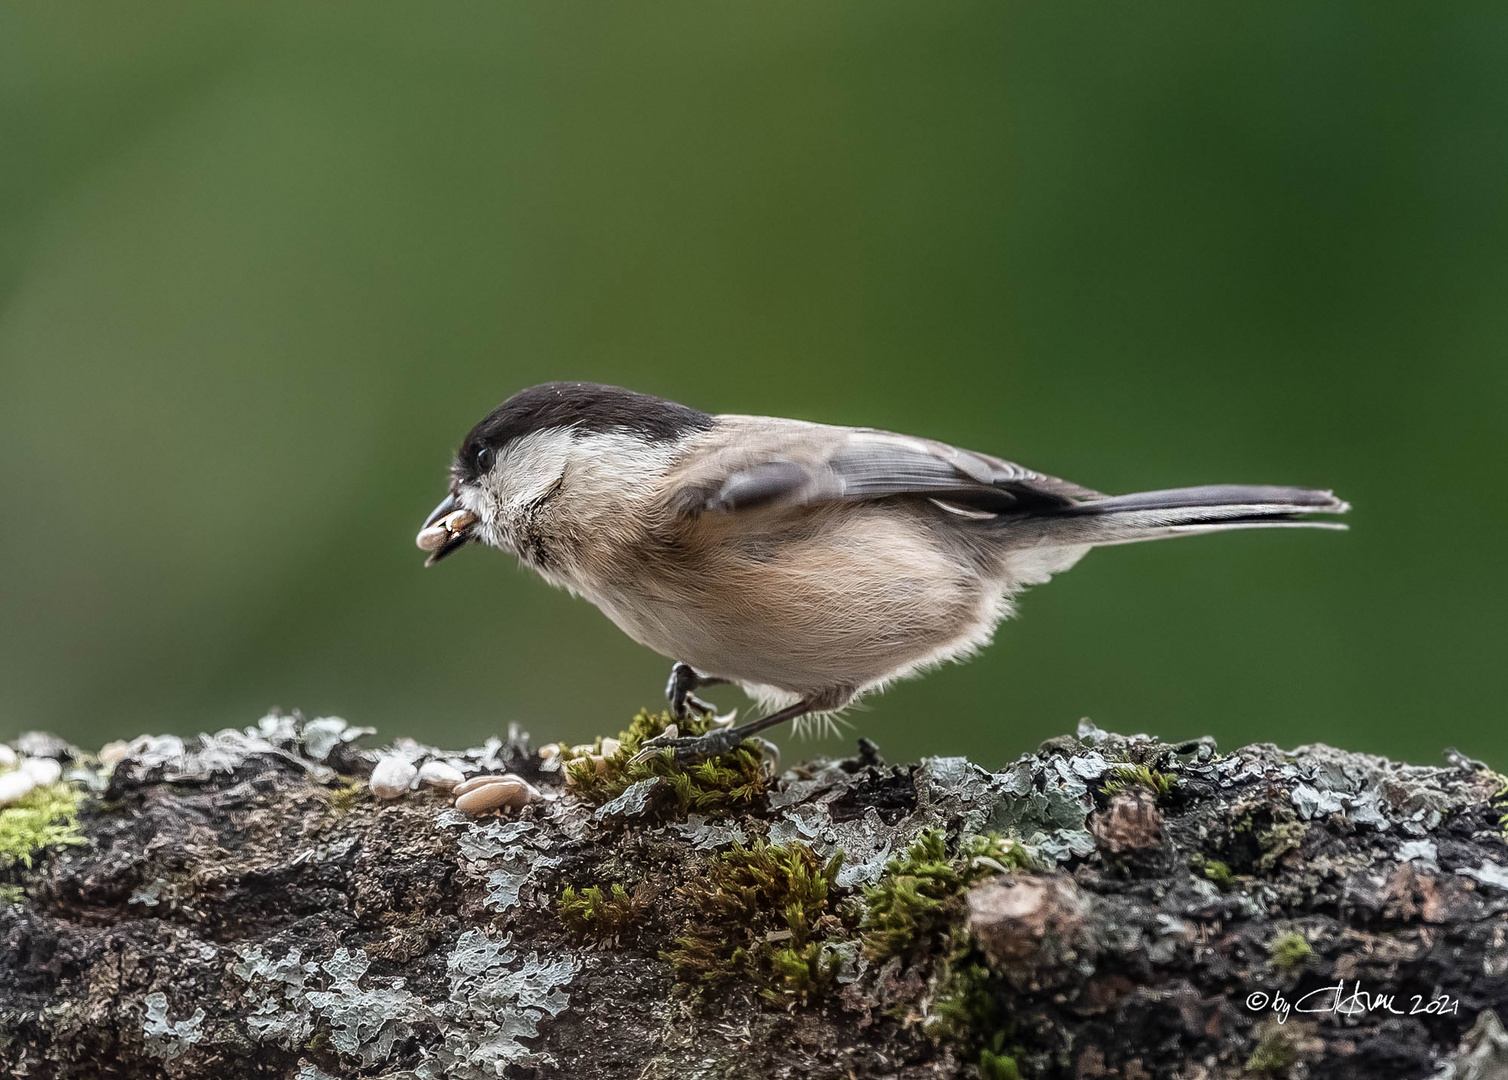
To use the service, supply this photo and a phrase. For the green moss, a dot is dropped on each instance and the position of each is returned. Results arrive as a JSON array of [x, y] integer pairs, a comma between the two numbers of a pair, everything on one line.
[[1499, 803], [724, 784], [1160, 784], [922, 891], [918, 911], [11, 895], [964, 1006], [989, 852], [602, 916], [1279, 840], [342, 799], [764, 913], [909, 901], [46, 816], [994, 1066], [1214, 870], [1276, 1052], [1288, 951]]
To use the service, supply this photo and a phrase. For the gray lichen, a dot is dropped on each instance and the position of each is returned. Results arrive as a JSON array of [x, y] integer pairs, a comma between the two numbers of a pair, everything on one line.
[[309, 1071], [512, 856], [282, 1015], [948, 792], [364, 1021], [164, 1038], [1372, 791], [498, 996], [311, 936], [705, 835], [1488, 873], [182, 760]]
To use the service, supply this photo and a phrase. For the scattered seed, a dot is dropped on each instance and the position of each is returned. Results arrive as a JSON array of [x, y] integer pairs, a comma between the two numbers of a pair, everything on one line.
[[113, 753], [506, 790], [475, 782], [392, 778], [610, 746], [42, 770], [495, 778], [13, 785], [440, 774]]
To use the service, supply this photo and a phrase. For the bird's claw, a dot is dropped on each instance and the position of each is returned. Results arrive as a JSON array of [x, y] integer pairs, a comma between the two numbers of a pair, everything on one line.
[[679, 691], [688, 749], [690, 704]]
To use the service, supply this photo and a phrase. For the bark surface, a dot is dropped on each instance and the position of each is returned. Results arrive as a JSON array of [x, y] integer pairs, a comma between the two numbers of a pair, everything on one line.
[[240, 905]]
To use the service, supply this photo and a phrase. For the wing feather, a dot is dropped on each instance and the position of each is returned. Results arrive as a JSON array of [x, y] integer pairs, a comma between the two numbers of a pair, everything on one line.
[[774, 463]]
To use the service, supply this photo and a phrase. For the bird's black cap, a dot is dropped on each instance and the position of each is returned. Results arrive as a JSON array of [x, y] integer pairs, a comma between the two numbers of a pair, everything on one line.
[[580, 406]]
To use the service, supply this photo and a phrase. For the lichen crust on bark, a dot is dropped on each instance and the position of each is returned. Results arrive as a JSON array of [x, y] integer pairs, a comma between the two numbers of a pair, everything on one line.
[[1107, 906]]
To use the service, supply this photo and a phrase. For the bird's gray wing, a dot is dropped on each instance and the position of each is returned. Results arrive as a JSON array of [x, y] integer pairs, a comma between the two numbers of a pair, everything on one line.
[[805, 464]]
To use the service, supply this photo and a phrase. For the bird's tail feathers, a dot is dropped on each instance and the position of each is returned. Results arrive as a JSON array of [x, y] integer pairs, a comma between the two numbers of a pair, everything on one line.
[[1155, 515]]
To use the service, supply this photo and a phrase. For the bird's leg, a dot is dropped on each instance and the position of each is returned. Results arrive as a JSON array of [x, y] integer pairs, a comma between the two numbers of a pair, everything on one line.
[[690, 749], [683, 680]]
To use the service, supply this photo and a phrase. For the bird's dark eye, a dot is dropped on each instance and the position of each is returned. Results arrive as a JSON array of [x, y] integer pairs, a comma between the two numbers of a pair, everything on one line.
[[484, 458]]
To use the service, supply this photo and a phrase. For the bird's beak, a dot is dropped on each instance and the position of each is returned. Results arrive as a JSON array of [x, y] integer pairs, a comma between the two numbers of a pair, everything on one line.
[[445, 530]]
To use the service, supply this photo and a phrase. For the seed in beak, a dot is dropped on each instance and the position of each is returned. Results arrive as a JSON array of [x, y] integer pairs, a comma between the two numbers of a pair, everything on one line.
[[447, 530]]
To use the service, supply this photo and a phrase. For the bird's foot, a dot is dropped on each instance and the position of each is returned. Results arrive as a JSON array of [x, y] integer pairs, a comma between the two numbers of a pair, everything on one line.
[[691, 704], [683, 680], [690, 749]]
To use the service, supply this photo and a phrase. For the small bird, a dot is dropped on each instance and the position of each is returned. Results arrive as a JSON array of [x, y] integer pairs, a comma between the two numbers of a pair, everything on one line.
[[809, 564]]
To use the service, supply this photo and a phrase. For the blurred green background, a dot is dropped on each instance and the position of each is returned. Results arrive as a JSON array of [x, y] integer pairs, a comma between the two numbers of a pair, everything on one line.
[[262, 266]]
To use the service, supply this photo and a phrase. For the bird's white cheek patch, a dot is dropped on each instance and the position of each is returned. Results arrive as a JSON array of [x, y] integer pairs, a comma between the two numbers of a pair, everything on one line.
[[529, 469], [559, 484]]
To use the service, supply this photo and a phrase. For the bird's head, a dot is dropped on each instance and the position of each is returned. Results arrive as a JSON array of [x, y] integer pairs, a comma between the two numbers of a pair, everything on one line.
[[516, 458]]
